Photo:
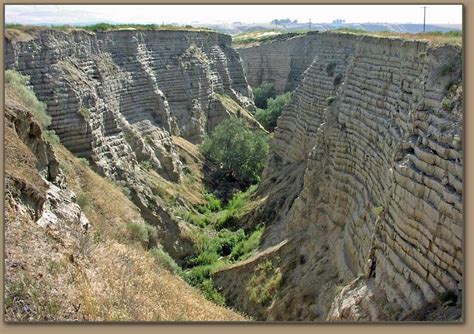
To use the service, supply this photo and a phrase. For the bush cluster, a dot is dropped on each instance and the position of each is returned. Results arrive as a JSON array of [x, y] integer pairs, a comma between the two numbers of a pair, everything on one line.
[[262, 93], [275, 106], [146, 234], [238, 152]]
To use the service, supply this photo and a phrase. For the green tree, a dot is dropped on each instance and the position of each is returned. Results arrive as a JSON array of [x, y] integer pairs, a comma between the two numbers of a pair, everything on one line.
[[268, 117], [239, 152], [262, 93]]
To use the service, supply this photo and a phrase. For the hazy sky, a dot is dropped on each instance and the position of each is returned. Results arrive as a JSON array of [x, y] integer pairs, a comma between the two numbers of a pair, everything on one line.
[[64, 14]]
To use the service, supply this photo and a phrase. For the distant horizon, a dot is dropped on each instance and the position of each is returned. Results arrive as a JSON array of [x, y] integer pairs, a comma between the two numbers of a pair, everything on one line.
[[79, 24], [230, 14]]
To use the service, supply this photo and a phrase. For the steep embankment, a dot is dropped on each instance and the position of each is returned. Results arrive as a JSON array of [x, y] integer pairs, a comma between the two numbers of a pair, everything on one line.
[[70, 250], [366, 164], [118, 98], [283, 61]]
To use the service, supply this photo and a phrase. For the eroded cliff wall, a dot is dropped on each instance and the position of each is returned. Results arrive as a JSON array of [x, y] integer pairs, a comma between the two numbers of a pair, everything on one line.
[[283, 60], [365, 167], [117, 97]]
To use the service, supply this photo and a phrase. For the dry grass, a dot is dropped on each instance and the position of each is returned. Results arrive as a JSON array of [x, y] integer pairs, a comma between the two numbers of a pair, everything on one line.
[[123, 280], [126, 284], [191, 189], [237, 110], [20, 163], [107, 208], [432, 37], [20, 35], [257, 37], [15, 31]]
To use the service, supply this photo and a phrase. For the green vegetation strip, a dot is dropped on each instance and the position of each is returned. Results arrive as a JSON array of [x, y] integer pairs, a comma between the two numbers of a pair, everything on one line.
[[100, 27]]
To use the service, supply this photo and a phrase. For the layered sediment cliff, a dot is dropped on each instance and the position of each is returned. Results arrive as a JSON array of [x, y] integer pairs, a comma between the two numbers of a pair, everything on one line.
[[117, 97], [366, 165], [283, 61]]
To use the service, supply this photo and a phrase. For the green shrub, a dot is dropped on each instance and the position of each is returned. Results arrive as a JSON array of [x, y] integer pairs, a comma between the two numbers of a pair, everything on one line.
[[200, 277], [213, 204], [83, 200], [262, 93], [163, 259], [84, 161], [211, 293], [449, 297], [99, 27], [217, 246], [122, 184], [208, 257], [330, 100], [84, 112], [379, 210], [18, 84], [146, 165], [244, 248], [337, 79], [51, 137], [201, 220], [421, 55], [352, 30], [447, 104], [264, 283], [228, 217], [14, 25], [240, 152], [451, 88], [146, 234], [268, 117]]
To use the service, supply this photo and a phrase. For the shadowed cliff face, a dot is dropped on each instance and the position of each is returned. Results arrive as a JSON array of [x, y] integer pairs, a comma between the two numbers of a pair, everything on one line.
[[368, 166]]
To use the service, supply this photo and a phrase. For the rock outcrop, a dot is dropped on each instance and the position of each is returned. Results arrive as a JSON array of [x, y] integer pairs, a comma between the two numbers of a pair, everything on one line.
[[366, 165]]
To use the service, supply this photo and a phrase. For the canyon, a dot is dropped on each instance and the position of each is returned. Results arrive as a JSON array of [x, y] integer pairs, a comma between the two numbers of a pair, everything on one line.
[[362, 194]]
